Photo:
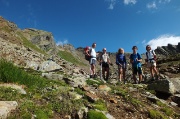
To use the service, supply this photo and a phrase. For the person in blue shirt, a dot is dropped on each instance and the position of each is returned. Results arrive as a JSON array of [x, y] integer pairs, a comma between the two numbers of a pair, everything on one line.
[[121, 62], [135, 60]]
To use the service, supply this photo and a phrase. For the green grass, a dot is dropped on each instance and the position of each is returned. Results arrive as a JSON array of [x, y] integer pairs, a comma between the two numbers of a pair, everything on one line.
[[12, 74], [79, 91], [95, 115], [168, 111], [9, 94], [43, 96], [156, 115], [100, 105], [70, 58], [91, 82], [6, 29]]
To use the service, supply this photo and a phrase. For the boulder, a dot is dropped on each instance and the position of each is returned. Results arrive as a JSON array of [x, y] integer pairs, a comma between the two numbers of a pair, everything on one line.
[[176, 99], [165, 86], [176, 83], [6, 107], [76, 82], [19, 88], [50, 66]]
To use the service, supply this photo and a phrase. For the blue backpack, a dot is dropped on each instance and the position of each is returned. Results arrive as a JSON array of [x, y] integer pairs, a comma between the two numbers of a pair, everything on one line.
[[133, 57]]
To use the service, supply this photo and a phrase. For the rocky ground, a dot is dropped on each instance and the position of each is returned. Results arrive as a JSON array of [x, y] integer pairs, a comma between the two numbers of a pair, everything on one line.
[[151, 99]]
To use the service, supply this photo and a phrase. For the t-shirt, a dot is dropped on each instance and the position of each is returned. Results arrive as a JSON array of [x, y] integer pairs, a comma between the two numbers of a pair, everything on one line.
[[105, 57], [120, 59], [93, 53], [150, 54], [134, 58]]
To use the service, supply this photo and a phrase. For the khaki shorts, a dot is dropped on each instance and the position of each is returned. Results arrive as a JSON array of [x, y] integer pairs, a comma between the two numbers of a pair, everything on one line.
[[151, 64]]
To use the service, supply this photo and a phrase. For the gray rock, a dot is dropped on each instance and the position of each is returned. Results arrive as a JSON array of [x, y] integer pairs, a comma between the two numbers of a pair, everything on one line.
[[82, 113], [6, 107], [76, 82], [176, 83], [176, 99], [165, 86], [50, 66], [17, 87]]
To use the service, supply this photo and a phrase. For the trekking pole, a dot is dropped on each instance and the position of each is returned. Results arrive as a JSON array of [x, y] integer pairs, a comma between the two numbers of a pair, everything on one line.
[[101, 72]]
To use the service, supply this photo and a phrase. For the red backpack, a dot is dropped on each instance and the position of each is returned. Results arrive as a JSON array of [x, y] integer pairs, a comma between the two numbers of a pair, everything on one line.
[[87, 49]]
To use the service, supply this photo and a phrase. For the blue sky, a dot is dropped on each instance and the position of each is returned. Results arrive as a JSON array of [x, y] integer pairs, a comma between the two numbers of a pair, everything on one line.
[[110, 23]]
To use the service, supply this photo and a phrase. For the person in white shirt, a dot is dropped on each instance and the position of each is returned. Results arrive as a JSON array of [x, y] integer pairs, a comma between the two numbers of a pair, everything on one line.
[[151, 62], [105, 60], [93, 61]]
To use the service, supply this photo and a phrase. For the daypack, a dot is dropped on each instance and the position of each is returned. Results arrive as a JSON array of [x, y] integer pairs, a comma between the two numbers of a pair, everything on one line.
[[152, 51], [133, 58], [87, 49]]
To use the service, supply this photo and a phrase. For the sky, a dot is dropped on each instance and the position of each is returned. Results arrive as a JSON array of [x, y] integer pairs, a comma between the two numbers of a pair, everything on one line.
[[112, 24]]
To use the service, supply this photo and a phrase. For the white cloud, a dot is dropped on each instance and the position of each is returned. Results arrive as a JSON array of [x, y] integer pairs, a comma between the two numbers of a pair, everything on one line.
[[144, 41], [61, 43], [126, 2], [164, 1], [151, 5], [163, 41], [111, 4]]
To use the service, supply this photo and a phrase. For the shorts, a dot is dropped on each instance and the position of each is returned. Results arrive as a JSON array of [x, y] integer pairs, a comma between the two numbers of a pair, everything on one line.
[[151, 63], [92, 61], [122, 66], [105, 65], [137, 70]]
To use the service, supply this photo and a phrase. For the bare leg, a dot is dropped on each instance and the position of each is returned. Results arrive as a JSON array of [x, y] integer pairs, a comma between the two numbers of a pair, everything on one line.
[[120, 74], [140, 77], [152, 73], [93, 68], [124, 73]]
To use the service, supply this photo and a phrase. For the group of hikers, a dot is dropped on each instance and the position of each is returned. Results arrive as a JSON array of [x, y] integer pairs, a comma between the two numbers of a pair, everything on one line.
[[135, 59]]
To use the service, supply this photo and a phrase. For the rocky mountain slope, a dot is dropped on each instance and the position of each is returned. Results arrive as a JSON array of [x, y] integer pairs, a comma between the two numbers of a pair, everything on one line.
[[52, 82]]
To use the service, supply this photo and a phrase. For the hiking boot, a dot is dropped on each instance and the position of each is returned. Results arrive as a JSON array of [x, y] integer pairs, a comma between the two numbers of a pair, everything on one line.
[[157, 77], [135, 82], [152, 79], [91, 76], [95, 76]]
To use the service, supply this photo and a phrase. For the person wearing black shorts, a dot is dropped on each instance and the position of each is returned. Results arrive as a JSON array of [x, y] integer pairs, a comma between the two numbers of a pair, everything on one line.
[[105, 60], [135, 59]]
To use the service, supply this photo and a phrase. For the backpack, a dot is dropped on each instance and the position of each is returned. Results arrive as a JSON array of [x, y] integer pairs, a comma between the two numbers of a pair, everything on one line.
[[138, 56], [87, 57], [147, 54]]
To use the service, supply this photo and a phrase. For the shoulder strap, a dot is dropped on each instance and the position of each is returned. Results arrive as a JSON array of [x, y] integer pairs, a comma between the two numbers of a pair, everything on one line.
[[138, 56], [147, 55], [153, 52]]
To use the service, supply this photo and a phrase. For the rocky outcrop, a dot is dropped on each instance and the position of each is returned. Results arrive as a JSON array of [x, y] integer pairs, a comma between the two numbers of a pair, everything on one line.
[[44, 40], [168, 50]]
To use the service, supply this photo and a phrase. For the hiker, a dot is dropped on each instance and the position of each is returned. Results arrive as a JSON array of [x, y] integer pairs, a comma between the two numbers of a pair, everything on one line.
[[121, 62], [135, 60], [93, 61], [151, 62], [105, 60], [87, 55]]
